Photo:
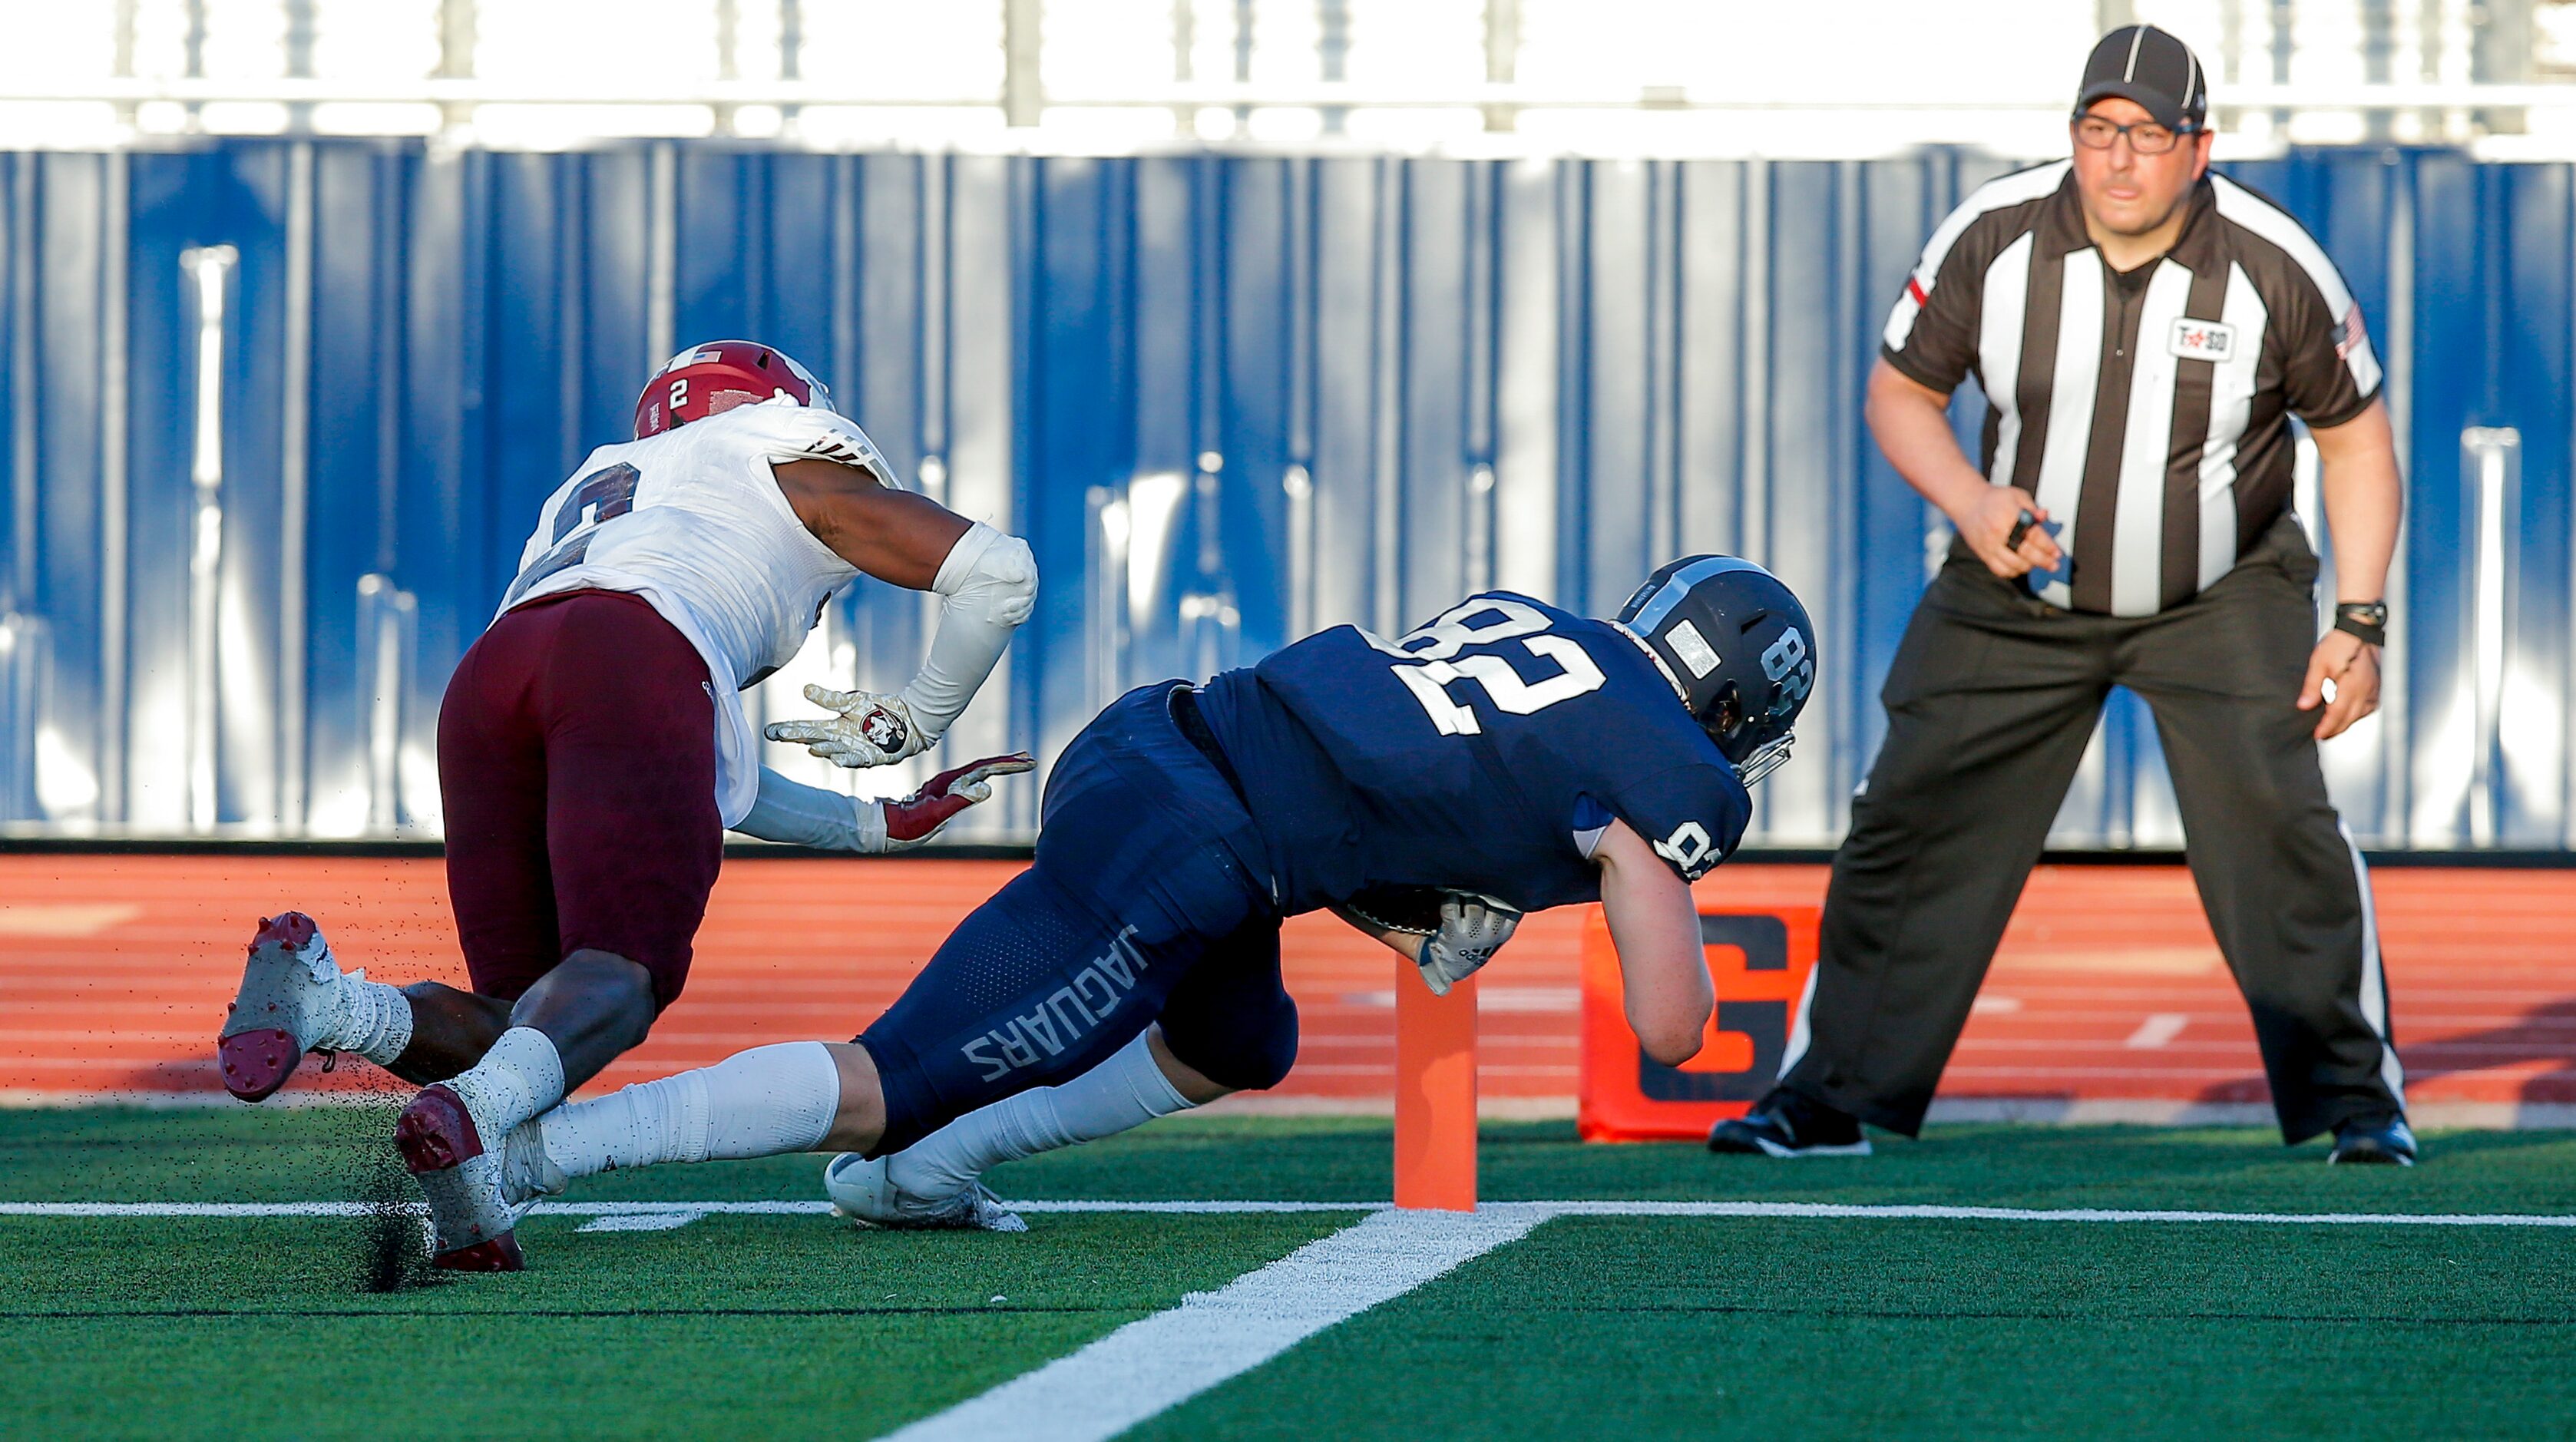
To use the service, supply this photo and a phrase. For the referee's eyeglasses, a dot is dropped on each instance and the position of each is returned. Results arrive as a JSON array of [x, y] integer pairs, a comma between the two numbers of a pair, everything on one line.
[[2146, 137]]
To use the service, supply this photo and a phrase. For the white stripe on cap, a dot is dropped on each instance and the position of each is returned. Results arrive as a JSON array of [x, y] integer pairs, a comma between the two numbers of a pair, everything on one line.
[[2070, 406], [1650, 617], [2137, 37], [2146, 448], [2231, 407]]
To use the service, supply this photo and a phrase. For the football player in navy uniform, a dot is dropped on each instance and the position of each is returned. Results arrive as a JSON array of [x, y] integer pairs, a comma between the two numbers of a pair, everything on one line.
[[1507, 757]]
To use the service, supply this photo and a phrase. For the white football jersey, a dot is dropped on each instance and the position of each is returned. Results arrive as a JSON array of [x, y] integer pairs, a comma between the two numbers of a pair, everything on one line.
[[693, 521]]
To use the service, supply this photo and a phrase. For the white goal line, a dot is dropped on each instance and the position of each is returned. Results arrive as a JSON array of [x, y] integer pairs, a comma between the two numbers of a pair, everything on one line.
[[1532, 1212]]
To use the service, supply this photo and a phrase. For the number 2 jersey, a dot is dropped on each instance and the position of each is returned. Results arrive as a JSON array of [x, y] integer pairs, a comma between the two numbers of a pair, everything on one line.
[[693, 521], [1485, 752]]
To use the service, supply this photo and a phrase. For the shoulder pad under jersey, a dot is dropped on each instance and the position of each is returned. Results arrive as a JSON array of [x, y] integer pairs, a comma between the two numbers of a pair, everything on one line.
[[785, 431]]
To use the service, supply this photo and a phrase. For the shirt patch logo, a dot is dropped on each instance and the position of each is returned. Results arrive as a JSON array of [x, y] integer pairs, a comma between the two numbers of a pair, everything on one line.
[[2207, 340], [2348, 332]]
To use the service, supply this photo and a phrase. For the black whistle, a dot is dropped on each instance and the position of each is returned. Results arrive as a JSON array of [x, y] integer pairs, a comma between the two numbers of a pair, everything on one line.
[[2021, 528]]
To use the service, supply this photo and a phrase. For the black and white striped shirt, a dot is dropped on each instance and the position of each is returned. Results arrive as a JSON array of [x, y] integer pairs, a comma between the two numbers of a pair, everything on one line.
[[2148, 411]]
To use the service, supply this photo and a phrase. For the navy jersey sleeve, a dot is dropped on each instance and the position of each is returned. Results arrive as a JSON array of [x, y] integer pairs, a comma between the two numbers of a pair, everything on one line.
[[1694, 815]]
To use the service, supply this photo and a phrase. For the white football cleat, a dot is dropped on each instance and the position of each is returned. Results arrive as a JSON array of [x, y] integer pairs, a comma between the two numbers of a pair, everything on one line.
[[862, 1190], [476, 1197], [292, 999], [527, 1173]]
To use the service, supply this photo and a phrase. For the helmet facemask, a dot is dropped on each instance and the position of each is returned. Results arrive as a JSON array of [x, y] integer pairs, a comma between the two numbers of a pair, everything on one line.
[[1764, 759], [1726, 724]]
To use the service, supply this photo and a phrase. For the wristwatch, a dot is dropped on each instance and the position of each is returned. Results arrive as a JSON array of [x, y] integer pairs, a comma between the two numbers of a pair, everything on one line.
[[2365, 619]]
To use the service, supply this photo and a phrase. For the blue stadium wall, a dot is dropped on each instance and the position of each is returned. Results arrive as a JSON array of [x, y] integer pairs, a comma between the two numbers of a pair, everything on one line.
[[1229, 399]]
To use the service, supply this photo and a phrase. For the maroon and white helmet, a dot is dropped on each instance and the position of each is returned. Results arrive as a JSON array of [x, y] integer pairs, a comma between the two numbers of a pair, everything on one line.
[[713, 378]]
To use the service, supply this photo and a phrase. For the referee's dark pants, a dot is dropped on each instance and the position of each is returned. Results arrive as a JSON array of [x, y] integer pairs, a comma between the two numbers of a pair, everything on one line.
[[1990, 702]]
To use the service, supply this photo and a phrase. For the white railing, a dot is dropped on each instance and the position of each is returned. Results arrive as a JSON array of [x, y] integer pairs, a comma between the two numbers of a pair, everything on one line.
[[2522, 121], [1312, 95]]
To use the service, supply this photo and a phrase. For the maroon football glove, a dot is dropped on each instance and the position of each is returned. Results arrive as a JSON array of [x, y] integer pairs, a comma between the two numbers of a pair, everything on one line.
[[918, 816]]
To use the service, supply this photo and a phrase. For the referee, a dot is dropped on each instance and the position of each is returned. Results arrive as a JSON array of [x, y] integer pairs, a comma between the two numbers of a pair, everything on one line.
[[2143, 331]]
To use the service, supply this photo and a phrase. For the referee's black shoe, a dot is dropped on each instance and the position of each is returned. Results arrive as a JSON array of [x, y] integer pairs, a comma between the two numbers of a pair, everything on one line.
[[2373, 1141], [1786, 1124]]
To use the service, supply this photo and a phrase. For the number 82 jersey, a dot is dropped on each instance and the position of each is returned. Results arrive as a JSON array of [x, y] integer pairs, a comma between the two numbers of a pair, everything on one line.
[[1486, 751]]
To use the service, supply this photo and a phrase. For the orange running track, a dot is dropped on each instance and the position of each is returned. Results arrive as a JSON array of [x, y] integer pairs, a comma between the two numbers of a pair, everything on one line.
[[114, 972]]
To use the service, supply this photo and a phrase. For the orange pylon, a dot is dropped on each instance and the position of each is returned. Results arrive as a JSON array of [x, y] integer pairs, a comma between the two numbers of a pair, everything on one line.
[[1435, 1094]]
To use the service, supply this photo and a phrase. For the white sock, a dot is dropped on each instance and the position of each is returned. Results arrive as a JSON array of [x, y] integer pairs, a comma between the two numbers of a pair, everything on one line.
[[1128, 1090], [519, 1077], [375, 1020], [758, 1103]]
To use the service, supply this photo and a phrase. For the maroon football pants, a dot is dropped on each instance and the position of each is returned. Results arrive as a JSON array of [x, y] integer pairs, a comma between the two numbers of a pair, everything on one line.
[[576, 757]]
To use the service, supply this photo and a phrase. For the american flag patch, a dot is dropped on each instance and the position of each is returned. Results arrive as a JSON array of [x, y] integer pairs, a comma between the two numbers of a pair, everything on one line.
[[2348, 332]]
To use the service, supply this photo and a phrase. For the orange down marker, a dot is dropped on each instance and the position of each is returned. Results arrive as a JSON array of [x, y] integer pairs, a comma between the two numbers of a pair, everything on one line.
[[1435, 1094]]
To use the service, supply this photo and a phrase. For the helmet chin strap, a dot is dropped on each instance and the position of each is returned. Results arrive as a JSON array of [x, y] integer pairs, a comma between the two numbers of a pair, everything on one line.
[[1669, 678]]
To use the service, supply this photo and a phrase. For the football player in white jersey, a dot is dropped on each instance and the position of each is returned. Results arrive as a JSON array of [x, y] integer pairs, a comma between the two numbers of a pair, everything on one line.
[[593, 750]]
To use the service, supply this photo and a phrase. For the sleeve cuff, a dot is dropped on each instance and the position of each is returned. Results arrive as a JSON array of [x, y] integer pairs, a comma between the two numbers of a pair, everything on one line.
[[2347, 413], [1912, 370]]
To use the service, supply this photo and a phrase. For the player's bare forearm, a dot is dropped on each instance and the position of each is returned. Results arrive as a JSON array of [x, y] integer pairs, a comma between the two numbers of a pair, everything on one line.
[[1911, 423], [896, 536], [1654, 926], [2365, 498]]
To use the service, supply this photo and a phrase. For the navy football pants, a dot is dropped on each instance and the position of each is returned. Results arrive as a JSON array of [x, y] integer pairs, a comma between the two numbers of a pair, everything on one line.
[[1140, 906]]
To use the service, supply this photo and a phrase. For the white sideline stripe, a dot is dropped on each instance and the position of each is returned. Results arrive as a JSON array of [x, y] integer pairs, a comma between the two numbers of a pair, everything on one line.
[[2035, 1214], [640, 1221], [1191, 1207], [693, 1210], [1533, 1212], [1150, 1366]]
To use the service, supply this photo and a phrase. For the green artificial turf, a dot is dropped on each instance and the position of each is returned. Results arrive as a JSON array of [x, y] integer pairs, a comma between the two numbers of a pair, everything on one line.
[[1762, 1328], [732, 1326], [1643, 1327]]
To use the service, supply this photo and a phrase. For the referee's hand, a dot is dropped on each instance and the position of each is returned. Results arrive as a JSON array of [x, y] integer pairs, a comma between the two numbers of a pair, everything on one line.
[[1987, 527], [2343, 676]]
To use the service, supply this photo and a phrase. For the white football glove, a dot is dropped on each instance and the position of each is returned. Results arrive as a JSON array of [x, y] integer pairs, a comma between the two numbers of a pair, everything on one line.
[[1472, 929], [871, 730]]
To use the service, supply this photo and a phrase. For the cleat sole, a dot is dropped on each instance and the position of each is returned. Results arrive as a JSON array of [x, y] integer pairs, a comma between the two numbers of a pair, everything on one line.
[[1771, 1148], [255, 1054], [257, 1063], [290, 929], [435, 1133]]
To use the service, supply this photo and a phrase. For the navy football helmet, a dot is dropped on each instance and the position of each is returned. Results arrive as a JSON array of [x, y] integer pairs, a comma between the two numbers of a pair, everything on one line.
[[1740, 647]]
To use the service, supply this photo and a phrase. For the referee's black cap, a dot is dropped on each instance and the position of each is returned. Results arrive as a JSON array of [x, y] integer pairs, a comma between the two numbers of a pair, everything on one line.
[[2151, 67]]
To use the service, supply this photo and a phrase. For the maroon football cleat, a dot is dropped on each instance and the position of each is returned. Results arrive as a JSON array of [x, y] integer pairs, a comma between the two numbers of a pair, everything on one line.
[[290, 997], [442, 1147]]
